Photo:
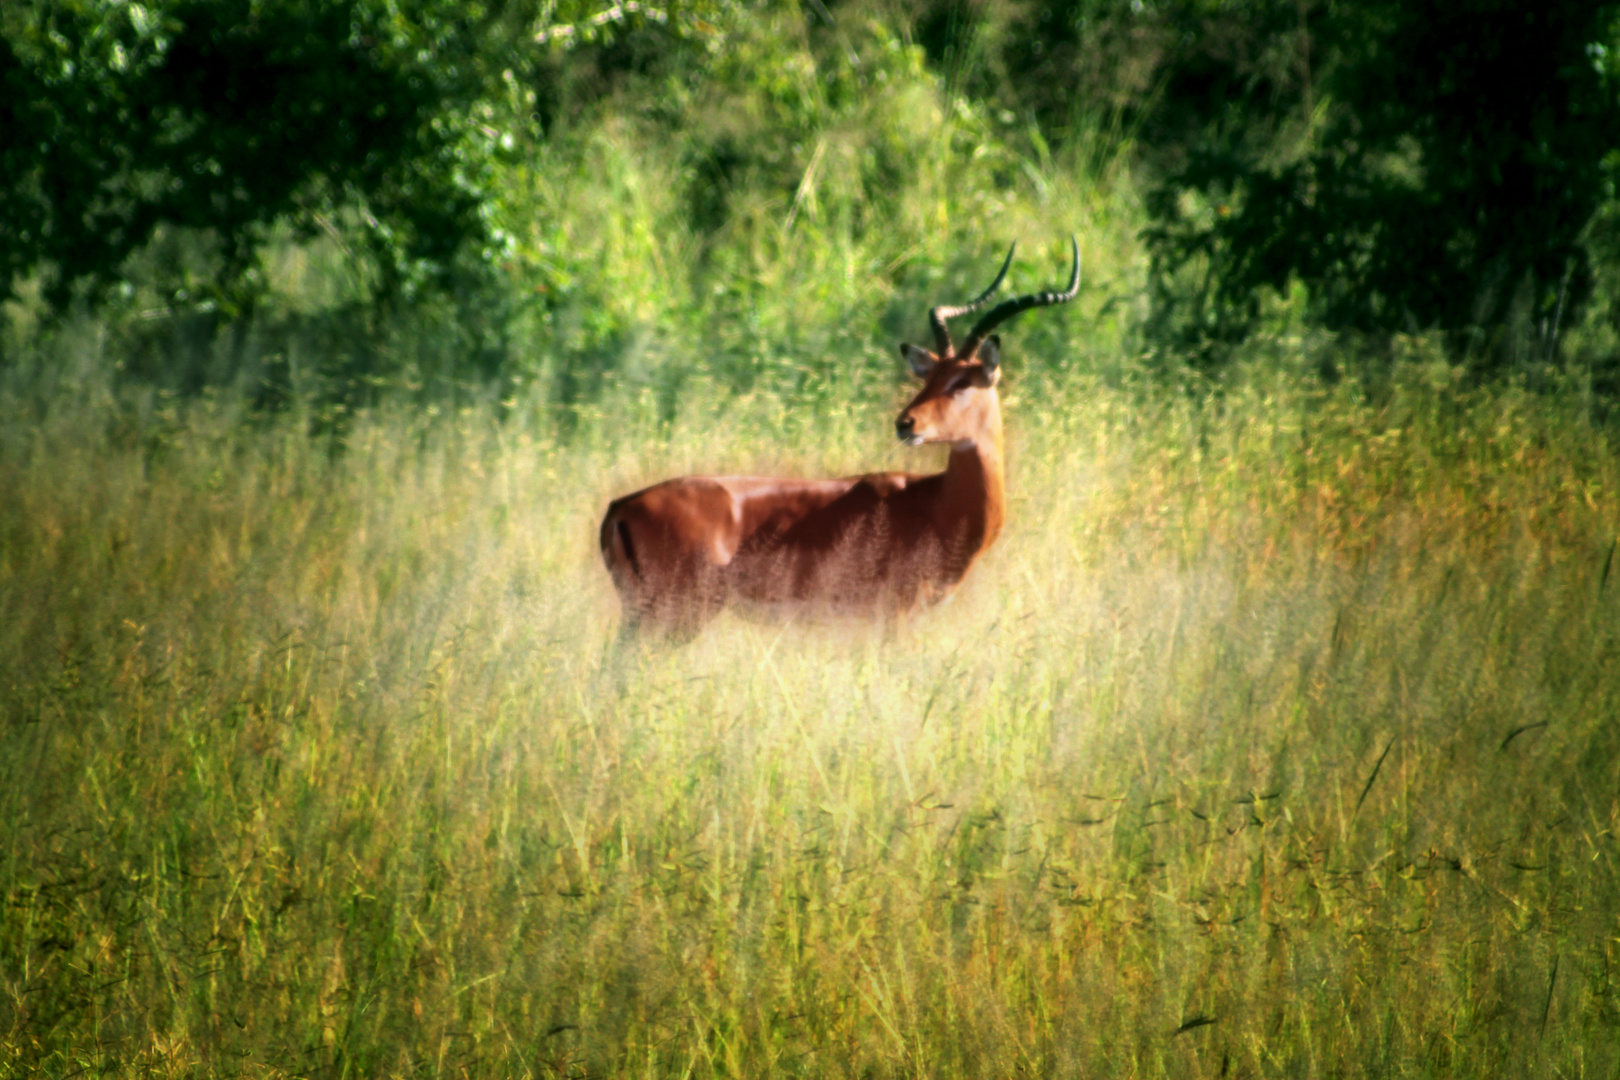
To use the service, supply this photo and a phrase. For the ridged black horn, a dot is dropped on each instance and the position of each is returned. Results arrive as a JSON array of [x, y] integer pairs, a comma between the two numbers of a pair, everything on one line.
[[938, 315], [1008, 308]]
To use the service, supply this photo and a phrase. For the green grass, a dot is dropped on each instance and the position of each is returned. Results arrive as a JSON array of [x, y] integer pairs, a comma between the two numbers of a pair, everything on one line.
[[1281, 711]]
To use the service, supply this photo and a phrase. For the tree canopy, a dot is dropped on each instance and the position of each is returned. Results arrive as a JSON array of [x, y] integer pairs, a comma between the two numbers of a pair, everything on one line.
[[1402, 164], [1415, 165], [229, 115]]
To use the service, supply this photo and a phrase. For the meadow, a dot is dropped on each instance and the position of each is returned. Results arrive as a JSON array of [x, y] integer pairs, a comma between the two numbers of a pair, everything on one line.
[[1278, 736]]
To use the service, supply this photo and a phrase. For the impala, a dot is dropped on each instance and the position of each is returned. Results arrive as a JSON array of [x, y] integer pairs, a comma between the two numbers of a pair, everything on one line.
[[882, 543]]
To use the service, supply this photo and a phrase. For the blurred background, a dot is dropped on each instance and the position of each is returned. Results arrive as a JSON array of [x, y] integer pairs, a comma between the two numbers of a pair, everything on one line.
[[337, 203]]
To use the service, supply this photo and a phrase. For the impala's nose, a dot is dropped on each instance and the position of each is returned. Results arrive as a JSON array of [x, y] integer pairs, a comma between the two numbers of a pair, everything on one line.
[[904, 427]]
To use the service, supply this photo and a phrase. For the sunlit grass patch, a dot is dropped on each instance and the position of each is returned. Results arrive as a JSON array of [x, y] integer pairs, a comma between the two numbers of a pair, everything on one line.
[[1277, 735]]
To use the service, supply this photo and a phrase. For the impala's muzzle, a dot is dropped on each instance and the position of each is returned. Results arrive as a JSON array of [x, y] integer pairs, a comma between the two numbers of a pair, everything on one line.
[[906, 429]]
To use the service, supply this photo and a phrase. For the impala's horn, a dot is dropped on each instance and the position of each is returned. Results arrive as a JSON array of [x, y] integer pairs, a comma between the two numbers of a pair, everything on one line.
[[1008, 308], [938, 315]]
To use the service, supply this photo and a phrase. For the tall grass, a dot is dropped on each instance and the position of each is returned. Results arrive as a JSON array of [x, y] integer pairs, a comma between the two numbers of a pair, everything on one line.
[[1276, 737]]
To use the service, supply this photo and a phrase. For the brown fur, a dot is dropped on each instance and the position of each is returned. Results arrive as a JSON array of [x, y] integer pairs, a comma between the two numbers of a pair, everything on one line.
[[877, 544]]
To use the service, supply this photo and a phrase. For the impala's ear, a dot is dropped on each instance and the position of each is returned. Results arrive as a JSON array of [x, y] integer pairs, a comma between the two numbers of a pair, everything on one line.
[[989, 353], [920, 359]]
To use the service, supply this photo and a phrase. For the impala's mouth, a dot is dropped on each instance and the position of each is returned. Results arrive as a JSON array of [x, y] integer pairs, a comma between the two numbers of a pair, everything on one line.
[[913, 440]]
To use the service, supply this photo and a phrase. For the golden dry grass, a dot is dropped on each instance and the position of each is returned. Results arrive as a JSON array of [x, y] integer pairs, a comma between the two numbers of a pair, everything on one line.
[[1277, 737]]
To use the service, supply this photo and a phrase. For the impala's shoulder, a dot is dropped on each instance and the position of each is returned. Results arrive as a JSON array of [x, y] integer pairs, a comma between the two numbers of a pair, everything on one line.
[[887, 483]]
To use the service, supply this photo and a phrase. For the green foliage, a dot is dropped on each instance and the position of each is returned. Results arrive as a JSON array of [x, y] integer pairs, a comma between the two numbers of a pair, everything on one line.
[[1415, 166], [453, 199], [1071, 66], [779, 214], [228, 117]]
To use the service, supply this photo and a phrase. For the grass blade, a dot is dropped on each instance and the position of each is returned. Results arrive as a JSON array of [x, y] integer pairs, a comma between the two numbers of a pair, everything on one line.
[[1368, 786]]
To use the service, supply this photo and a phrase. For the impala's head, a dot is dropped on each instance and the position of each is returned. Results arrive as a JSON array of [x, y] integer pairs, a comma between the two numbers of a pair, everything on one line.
[[957, 403]]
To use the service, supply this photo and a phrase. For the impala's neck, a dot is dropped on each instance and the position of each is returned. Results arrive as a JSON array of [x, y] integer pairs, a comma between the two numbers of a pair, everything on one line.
[[975, 500]]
